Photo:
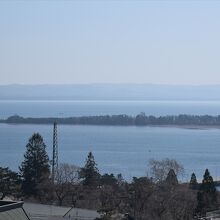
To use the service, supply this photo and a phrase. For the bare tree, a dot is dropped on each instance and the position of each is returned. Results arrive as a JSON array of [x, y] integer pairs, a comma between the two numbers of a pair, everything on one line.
[[182, 203], [159, 169], [141, 189], [66, 177]]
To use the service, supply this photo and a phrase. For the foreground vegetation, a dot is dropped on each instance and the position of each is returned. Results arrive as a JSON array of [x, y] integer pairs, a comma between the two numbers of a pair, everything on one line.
[[158, 196], [139, 120]]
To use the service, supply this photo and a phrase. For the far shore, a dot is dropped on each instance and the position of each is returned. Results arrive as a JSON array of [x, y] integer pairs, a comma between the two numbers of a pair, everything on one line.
[[205, 122]]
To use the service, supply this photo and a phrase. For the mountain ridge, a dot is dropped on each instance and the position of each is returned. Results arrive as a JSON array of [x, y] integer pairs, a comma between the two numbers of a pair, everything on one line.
[[109, 92]]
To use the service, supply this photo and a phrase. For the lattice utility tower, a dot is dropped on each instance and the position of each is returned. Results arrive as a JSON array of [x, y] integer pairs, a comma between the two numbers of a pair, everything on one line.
[[55, 152]]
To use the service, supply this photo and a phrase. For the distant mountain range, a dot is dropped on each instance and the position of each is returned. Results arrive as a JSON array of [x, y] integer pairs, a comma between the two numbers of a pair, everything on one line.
[[109, 92]]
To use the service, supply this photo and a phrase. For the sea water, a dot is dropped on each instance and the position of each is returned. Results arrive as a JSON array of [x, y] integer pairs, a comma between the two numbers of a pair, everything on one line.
[[48, 108], [117, 149]]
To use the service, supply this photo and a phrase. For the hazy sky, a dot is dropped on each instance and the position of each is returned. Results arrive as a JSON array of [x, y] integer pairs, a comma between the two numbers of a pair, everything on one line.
[[168, 42]]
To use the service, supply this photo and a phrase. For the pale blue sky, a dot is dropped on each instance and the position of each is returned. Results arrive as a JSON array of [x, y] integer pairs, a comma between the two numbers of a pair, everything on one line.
[[166, 42]]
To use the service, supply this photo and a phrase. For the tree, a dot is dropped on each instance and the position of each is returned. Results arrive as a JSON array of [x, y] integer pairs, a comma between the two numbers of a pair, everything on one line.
[[159, 169], [66, 177], [120, 180], [181, 203], [207, 195], [90, 172], [193, 184], [35, 168], [208, 183], [108, 179], [140, 191], [108, 201], [9, 183], [140, 119], [171, 179]]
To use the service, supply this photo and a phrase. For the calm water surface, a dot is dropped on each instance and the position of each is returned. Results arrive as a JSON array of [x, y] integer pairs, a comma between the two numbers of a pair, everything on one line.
[[82, 108], [125, 150], [118, 149]]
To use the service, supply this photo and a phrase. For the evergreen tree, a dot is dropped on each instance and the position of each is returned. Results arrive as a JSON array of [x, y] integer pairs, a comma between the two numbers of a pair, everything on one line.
[[9, 183], [193, 184], [35, 168], [90, 172], [171, 179], [208, 185], [207, 195]]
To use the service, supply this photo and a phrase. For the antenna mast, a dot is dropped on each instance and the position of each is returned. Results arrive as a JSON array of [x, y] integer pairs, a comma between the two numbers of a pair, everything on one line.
[[55, 152]]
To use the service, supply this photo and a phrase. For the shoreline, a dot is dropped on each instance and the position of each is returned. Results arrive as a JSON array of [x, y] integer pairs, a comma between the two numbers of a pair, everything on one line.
[[188, 127], [140, 120]]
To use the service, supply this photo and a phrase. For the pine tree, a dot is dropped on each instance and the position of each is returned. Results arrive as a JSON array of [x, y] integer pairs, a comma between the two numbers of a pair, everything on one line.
[[207, 195], [193, 184], [171, 179], [90, 172], [35, 168], [208, 185]]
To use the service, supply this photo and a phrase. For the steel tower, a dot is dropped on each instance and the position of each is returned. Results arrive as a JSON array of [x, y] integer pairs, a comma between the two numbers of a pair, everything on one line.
[[55, 152]]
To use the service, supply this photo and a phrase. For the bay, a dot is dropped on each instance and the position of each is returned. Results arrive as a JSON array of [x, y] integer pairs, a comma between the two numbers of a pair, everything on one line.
[[92, 108], [117, 149]]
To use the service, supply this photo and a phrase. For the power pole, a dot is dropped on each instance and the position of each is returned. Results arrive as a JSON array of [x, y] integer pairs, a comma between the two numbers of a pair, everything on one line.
[[55, 152]]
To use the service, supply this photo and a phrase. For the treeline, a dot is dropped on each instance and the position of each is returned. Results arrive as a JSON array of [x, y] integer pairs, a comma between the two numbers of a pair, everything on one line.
[[158, 196], [125, 120]]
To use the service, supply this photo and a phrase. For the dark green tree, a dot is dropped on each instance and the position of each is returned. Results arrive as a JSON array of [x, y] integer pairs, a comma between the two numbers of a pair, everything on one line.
[[35, 168], [193, 184], [9, 183], [108, 179], [207, 195], [171, 179], [208, 185], [90, 173]]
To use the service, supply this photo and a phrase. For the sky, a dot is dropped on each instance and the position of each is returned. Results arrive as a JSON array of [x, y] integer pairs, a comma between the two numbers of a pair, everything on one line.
[[77, 42]]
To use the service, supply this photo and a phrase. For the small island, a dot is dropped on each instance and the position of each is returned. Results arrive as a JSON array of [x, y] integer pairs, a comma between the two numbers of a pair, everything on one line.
[[182, 120]]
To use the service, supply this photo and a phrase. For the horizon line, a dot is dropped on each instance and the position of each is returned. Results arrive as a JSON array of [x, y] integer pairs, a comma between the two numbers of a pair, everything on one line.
[[105, 83]]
